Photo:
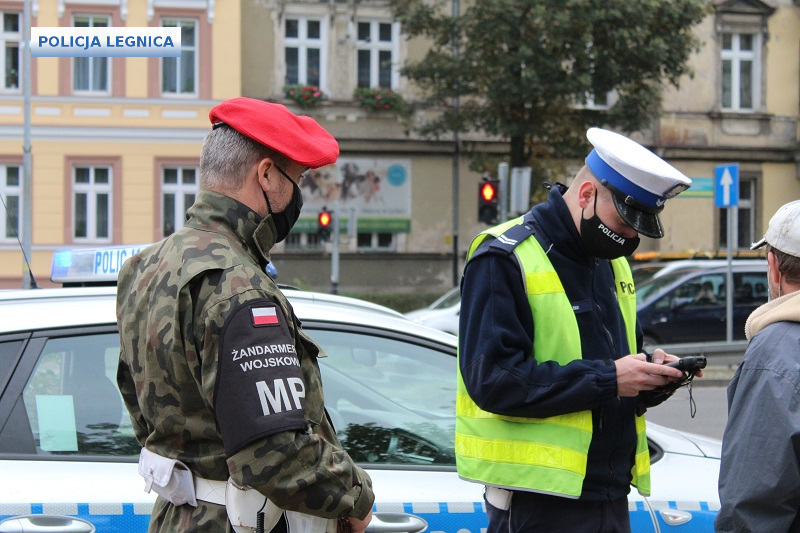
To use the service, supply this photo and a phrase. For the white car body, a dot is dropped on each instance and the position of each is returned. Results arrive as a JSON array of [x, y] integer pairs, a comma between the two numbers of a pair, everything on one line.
[[79, 492]]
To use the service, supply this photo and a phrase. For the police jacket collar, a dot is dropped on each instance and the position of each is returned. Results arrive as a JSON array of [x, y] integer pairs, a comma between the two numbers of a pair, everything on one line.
[[556, 221]]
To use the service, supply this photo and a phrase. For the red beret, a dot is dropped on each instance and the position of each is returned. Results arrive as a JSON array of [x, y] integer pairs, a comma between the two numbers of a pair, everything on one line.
[[301, 139]]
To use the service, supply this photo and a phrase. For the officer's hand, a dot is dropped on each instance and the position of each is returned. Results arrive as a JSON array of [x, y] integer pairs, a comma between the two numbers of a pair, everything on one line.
[[660, 357], [360, 526], [635, 374]]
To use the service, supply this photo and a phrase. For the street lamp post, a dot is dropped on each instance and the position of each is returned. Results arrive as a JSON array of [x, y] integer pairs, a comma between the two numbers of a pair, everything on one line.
[[456, 157], [27, 192]]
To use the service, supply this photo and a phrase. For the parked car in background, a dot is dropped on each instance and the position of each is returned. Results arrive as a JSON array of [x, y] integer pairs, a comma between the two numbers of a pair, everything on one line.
[[68, 457], [442, 314], [643, 272], [681, 306]]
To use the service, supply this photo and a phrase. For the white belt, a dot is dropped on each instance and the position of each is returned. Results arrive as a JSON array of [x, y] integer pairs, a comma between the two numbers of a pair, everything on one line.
[[243, 514], [210, 490], [497, 497]]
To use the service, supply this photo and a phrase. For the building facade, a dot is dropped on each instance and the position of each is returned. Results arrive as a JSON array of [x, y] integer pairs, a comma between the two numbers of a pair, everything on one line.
[[115, 141]]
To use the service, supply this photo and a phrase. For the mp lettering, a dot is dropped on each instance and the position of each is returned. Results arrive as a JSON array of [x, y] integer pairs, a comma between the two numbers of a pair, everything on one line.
[[276, 399]]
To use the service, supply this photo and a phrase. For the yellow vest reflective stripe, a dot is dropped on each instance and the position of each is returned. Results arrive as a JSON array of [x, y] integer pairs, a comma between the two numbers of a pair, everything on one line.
[[541, 454], [626, 295]]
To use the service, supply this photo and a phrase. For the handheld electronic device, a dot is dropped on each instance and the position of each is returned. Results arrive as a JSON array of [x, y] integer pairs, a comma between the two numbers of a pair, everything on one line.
[[689, 364]]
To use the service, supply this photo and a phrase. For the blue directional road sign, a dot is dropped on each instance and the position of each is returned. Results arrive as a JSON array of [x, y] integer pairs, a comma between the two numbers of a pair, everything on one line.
[[726, 185]]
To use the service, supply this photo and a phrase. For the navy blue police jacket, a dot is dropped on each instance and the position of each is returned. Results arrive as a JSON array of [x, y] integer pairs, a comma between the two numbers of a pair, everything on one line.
[[496, 339]]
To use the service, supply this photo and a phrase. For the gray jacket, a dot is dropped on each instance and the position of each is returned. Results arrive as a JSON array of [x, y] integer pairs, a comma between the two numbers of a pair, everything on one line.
[[759, 482]]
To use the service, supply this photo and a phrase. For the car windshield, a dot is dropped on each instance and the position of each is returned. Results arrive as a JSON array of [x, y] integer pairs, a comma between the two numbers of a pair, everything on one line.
[[643, 273], [654, 286], [450, 298]]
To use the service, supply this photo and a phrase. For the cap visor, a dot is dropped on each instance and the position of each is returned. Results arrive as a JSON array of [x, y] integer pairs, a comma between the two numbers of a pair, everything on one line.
[[759, 244], [646, 224]]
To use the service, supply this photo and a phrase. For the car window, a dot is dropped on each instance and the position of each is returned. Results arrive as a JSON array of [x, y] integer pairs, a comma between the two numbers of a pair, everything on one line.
[[72, 401], [700, 291], [653, 287], [750, 288], [391, 401]]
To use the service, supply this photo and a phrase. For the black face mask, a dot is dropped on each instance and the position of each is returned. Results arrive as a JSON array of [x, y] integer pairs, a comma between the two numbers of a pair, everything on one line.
[[601, 241], [286, 218]]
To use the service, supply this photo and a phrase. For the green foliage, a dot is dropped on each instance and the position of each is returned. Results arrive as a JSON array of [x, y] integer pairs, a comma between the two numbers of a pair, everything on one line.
[[525, 67], [305, 96], [378, 99]]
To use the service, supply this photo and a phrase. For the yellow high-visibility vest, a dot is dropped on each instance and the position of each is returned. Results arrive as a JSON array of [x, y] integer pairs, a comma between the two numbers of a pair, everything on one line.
[[545, 455]]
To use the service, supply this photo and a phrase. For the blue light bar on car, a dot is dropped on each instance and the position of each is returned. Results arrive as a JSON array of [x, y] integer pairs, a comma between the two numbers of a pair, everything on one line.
[[90, 265]]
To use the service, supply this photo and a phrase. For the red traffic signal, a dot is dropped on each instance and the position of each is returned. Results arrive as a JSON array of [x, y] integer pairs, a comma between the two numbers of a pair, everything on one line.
[[488, 202], [324, 221], [488, 191]]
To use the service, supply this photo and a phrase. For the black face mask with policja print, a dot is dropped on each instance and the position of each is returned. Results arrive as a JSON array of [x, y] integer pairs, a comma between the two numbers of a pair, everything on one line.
[[600, 241]]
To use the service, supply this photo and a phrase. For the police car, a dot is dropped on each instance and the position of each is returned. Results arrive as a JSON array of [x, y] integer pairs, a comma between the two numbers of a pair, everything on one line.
[[68, 458]]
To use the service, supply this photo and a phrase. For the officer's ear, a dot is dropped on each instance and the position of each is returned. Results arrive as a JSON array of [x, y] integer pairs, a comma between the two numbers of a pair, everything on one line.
[[586, 193]]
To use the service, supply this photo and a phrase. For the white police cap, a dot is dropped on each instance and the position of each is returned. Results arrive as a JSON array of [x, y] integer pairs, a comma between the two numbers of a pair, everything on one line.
[[639, 180]]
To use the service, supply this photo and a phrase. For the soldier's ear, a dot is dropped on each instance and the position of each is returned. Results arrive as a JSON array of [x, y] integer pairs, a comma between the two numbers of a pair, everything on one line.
[[262, 172]]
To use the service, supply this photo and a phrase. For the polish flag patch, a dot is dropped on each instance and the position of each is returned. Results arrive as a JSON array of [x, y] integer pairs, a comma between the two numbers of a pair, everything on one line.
[[264, 316]]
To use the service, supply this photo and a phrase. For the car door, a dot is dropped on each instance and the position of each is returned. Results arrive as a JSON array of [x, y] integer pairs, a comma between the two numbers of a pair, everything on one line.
[[67, 450], [391, 398]]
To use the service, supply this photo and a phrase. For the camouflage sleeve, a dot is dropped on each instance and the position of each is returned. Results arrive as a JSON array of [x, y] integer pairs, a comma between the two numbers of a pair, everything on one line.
[[303, 468], [306, 473], [128, 389]]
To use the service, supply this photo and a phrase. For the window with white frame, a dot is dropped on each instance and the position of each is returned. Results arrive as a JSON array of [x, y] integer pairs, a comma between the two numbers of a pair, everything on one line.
[[305, 51], [375, 54], [11, 191], [179, 186], [91, 74], [744, 224], [91, 189], [377, 241], [741, 71], [11, 57], [179, 74]]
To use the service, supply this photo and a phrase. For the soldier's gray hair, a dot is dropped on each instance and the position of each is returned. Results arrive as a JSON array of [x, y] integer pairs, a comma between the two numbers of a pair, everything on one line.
[[228, 156]]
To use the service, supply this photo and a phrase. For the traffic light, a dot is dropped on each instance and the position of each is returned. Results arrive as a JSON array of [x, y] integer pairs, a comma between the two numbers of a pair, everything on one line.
[[487, 201], [324, 221]]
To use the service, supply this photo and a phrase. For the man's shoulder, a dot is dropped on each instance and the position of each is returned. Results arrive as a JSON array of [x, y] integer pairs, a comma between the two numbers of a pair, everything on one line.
[[774, 349], [192, 251], [177, 260]]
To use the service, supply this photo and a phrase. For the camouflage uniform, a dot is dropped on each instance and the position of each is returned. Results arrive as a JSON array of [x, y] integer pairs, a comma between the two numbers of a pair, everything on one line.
[[174, 299]]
